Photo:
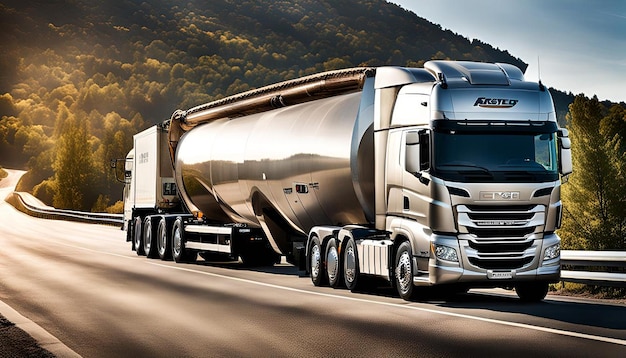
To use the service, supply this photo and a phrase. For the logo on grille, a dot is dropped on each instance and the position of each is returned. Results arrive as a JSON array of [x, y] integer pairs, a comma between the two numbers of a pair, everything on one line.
[[499, 195]]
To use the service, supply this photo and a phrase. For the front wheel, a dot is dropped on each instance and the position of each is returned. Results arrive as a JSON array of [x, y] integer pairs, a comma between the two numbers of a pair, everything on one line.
[[403, 271], [532, 291]]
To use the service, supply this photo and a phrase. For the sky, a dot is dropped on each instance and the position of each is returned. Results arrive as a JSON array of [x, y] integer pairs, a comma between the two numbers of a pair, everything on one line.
[[576, 46]]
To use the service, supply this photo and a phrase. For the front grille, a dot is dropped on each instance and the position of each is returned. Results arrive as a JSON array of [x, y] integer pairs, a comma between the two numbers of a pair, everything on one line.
[[500, 216], [500, 237], [500, 247], [500, 232], [499, 208]]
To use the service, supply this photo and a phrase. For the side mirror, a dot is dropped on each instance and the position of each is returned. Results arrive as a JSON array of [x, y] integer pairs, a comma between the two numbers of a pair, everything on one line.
[[565, 152], [122, 174]]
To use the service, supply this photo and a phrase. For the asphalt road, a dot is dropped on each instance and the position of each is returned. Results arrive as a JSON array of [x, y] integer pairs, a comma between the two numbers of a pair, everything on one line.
[[83, 285]]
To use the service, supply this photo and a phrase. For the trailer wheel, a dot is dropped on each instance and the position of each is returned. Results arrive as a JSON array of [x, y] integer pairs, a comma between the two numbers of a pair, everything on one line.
[[138, 237], [403, 271], [179, 252], [315, 259], [164, 247], [532, 291], [351, 271], [333, 264], [149, 246]]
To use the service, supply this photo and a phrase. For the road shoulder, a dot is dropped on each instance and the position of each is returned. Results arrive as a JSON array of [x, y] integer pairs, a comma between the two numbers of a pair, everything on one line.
[[22, 337]]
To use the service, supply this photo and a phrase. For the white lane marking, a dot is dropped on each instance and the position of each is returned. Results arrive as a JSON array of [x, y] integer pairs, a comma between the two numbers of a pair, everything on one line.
[[388, 304]]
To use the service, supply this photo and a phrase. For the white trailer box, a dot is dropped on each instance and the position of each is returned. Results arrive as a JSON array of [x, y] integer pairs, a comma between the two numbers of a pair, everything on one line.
[[153, 184]]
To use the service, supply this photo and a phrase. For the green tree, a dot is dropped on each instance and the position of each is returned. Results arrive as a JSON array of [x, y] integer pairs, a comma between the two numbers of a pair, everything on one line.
[[73, 163], [594, 198]]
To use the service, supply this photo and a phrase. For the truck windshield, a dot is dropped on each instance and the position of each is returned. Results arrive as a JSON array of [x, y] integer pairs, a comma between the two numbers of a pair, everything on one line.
[[496, 154]]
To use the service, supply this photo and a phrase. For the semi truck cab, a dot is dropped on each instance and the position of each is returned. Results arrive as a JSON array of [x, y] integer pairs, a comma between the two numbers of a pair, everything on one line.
[[473, 163]]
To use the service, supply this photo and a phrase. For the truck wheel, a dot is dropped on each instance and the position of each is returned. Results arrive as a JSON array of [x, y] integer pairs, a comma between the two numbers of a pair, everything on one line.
[[179, 252], [403, 271], [351, 265], [129, 232], [315, 259], [138, 238], [532, 291], [164, 247], [333, 264], [149, 246]]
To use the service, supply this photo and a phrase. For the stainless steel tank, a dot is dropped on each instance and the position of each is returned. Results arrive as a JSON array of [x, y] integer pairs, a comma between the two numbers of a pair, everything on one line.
[[309, 164]]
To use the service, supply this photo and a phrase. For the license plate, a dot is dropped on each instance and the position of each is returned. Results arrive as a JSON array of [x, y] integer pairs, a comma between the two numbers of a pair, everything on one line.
[[499, 275]]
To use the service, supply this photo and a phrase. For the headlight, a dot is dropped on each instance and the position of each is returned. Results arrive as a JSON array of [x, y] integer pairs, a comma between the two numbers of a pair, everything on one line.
[[552, 252], [445, 253]]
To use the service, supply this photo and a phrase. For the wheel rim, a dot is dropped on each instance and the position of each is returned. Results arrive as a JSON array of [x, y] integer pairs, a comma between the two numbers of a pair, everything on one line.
[[316, 261], [147, 241], [403, 272], [350, 264], [162, 240], [137, 235], [176, 241], [332, 263]]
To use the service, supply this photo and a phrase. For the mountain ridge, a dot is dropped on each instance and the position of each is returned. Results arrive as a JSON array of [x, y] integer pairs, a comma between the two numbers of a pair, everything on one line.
[[124, 65]]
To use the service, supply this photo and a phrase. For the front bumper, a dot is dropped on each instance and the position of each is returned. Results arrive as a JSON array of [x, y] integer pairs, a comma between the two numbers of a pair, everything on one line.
[[464, 272]]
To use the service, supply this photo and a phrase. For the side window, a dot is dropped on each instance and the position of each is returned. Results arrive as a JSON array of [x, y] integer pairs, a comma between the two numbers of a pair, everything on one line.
[[417, 151], [545, 151]]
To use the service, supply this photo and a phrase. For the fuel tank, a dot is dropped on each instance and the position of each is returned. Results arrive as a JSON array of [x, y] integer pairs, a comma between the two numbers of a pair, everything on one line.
[[296, 167]]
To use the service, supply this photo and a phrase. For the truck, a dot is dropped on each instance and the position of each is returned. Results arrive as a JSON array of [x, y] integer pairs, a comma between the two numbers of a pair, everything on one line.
[[447, 175]]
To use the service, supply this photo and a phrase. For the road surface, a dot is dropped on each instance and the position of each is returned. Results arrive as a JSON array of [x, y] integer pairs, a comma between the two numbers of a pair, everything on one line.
[[84, 285]]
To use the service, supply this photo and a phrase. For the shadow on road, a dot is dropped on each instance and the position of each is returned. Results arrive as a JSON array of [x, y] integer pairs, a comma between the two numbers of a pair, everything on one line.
[[582, 313]]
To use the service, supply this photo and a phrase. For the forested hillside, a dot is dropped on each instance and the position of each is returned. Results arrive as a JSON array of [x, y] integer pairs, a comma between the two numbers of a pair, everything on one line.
[[79, 77]]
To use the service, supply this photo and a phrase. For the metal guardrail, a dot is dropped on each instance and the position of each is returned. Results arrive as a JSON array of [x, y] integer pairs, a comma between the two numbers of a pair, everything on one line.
[[598, 261], [17, 200]]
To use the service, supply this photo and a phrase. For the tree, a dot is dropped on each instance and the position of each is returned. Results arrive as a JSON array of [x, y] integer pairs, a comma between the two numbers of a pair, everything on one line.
[[73, 163], [594, 198]]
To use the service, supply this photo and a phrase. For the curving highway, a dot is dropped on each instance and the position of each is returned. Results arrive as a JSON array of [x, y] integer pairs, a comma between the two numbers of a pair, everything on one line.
[[83, 284]]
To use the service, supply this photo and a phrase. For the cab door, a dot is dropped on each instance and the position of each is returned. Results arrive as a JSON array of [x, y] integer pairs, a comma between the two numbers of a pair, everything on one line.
[[415, 177], [416, 191]]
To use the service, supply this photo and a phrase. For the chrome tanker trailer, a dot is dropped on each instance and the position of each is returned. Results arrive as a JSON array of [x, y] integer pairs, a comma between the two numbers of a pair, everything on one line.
[[442, 175]]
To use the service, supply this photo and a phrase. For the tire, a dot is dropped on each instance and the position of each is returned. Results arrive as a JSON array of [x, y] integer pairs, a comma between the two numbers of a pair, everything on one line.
[[138, 236], [334, 273], [351, 272], [179, 252], [149, 241], [164, 247], [129, 232], [316, 269], [532, 291], [403, 271]]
